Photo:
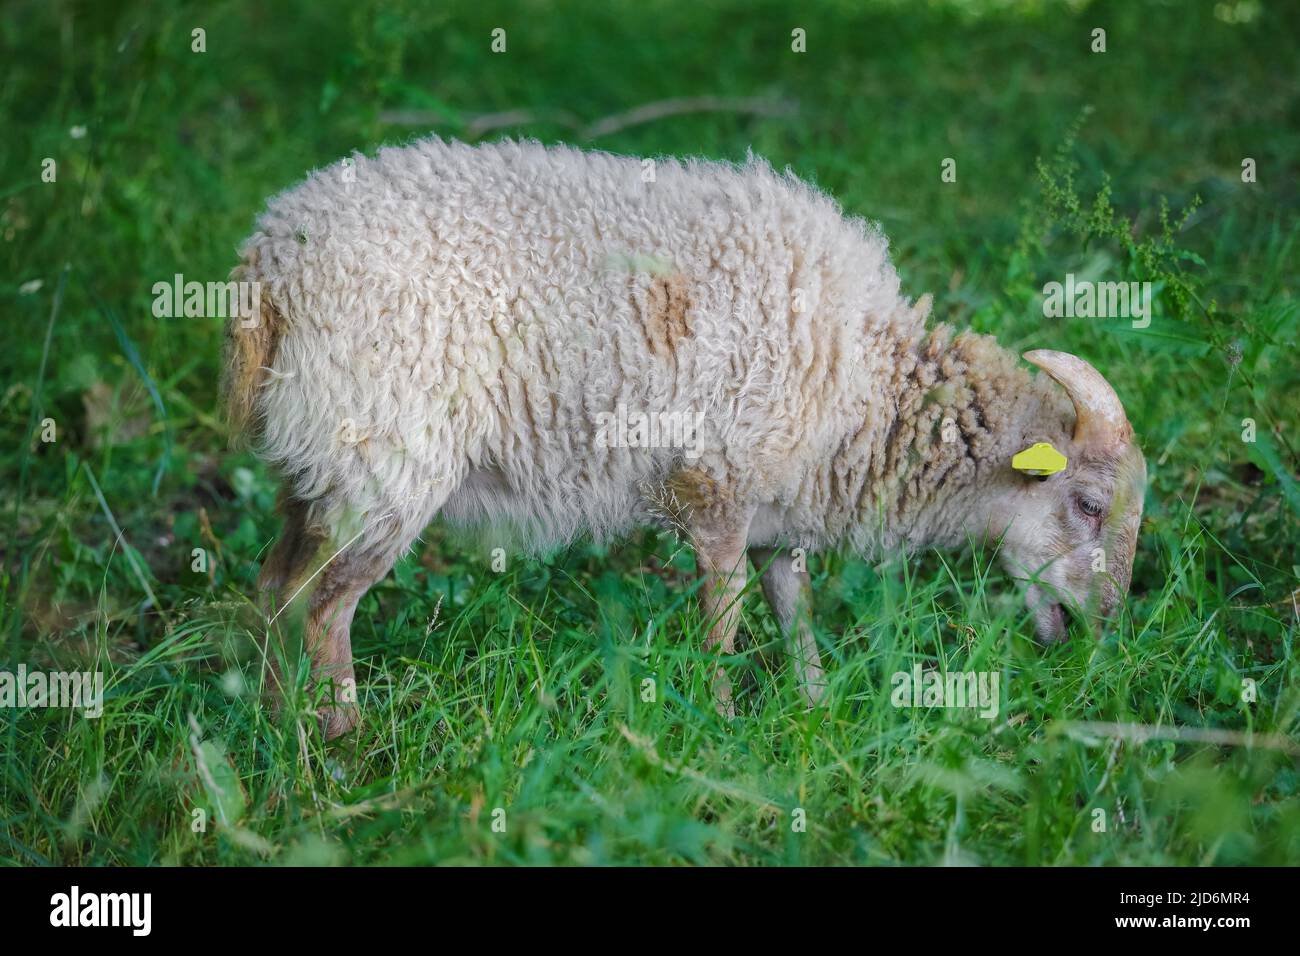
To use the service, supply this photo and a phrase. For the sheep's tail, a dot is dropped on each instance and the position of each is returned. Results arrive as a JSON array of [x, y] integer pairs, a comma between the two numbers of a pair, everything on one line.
[[251, 344]]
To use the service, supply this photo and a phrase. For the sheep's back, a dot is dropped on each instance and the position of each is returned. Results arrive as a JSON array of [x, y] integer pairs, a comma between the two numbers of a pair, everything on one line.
[[460, 317]]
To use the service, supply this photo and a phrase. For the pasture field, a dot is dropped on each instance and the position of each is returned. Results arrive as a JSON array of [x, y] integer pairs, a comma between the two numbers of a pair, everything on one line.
[[505, 713]]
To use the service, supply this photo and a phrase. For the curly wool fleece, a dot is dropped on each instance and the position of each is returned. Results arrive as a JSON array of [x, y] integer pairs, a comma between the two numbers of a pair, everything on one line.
[[447, 328]]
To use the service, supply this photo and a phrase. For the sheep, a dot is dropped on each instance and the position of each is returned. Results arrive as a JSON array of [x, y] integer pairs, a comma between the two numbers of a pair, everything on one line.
[[450, 330]]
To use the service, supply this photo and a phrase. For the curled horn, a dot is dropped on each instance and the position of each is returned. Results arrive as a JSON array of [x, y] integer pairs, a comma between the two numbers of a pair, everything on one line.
[[1099, 419]]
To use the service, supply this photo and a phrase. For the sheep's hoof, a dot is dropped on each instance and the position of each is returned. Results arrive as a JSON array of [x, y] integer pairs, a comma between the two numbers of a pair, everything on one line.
[[722, 701], [725, 706], [813, 690], [338, 719]]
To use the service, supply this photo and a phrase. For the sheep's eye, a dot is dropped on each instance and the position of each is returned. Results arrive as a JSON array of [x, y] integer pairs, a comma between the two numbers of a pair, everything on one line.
[[1089, 507]]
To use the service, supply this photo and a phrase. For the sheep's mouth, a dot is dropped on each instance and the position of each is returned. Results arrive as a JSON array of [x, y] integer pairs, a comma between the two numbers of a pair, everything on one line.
[[1050, 622], [1051, 618]]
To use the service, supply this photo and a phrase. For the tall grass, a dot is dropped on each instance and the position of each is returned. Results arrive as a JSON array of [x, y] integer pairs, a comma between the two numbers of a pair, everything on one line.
[[558, 712]]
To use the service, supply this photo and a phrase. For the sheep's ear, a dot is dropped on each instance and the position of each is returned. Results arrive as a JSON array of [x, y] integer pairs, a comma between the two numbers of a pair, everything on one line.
[[1040, 460]]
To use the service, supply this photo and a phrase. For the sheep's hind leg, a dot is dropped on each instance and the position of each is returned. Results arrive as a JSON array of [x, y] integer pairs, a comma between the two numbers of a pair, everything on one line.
[[789, 595], [344, 580], [284, 572]]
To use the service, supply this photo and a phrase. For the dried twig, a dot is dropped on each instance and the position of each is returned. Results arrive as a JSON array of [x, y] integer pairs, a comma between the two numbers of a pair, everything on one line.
[[477, 126], [756, 106], [1141, 733], [487, 122]]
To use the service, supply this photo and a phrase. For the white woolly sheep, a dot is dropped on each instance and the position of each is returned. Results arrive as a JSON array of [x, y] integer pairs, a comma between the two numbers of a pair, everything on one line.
[[447, 329]]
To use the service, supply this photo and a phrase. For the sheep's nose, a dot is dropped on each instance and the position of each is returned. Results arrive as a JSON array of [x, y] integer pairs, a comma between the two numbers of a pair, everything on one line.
[[1110, 597]]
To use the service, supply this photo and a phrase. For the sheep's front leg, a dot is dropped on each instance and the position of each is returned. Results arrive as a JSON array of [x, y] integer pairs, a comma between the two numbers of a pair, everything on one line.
[[720, 556], [789, 594]]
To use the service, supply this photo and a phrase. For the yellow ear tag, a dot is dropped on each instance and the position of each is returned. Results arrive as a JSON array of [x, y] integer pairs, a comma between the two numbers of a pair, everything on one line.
[[1040, 459]]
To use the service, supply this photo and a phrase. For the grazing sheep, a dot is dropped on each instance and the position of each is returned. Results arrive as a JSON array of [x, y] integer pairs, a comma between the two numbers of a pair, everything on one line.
[[483, 332]]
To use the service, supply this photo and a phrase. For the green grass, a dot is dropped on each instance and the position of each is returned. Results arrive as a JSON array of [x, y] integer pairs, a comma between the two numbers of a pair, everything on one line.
[[524, 690]]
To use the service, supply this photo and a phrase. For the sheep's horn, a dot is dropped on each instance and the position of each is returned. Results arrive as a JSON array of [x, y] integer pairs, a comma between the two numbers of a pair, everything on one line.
[[1099, 419]]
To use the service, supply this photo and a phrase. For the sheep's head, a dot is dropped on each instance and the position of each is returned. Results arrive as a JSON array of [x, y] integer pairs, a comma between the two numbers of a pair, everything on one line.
[[1072, 534]]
